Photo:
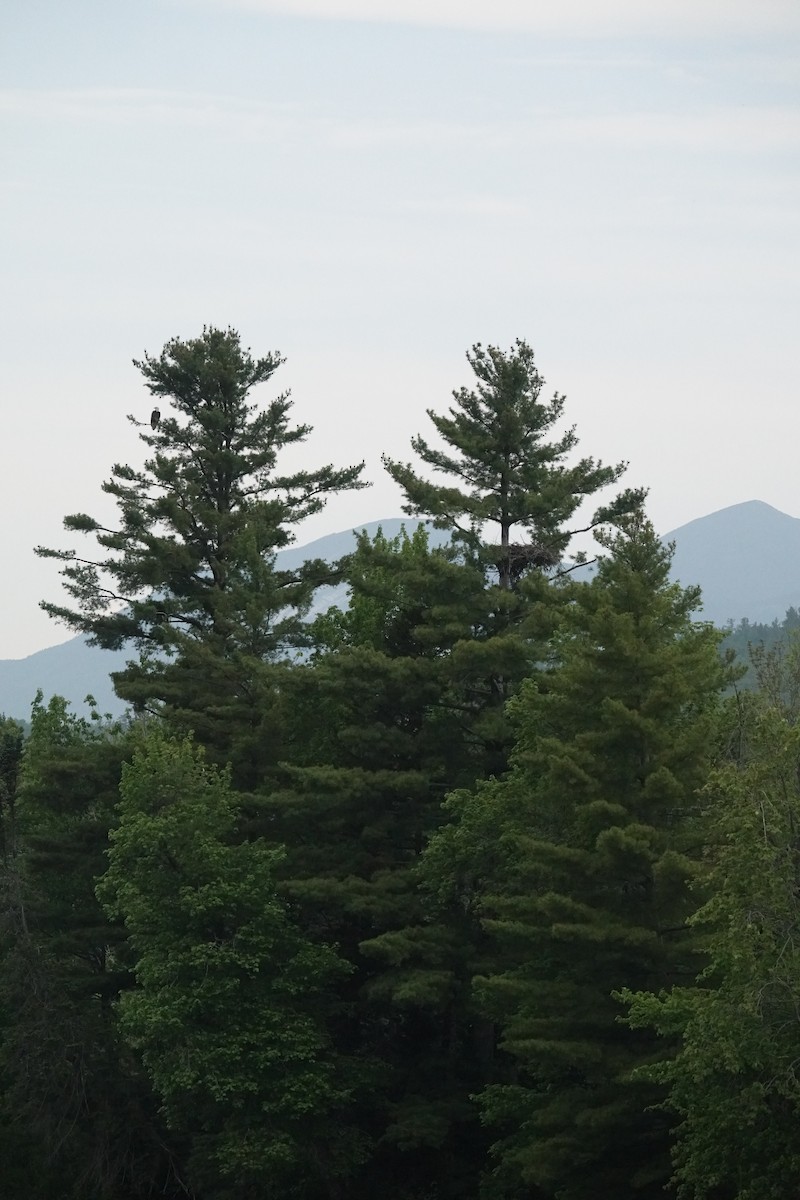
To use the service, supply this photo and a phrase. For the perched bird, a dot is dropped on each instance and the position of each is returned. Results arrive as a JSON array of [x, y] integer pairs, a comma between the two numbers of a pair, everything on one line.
[[155, 417]]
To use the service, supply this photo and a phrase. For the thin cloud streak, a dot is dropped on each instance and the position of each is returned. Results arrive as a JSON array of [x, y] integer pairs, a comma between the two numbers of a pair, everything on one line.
[[734, 128], [588, 18], [132, 106]]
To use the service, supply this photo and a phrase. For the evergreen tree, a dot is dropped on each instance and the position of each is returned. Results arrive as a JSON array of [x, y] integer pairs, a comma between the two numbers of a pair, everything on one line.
[[505, 472], [188, 576], [507, 480], [733, 1081], [578, 865], [377, 753], [408, 702]]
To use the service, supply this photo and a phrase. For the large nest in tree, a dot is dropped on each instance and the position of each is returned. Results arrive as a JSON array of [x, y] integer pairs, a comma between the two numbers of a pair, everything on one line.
[[520, 557]]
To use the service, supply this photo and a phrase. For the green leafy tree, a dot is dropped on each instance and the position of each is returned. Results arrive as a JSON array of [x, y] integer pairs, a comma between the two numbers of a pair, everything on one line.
[[77, 1108], [188, 576], [578, 866], [733, 1081], [230, 1010]]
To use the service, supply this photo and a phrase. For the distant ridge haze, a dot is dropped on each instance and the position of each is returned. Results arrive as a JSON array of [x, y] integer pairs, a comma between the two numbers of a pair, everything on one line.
[[746, 559]]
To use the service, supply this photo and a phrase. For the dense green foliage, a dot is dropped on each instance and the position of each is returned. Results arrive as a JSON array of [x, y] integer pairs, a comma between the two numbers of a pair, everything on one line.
[[750, 641], [82, 1103], [504, 471], [734, 1083], [353, 907], [229, 1014], [578, 863], [188, 577]]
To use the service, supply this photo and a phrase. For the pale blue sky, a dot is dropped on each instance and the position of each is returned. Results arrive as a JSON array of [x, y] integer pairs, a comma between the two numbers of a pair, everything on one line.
[[615, 181]]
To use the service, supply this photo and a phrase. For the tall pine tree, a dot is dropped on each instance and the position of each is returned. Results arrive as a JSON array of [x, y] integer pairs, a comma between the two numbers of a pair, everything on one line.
[[513, 502], [407, 703], [733, 1080], [579, 865], [187, 576], [506, 473]]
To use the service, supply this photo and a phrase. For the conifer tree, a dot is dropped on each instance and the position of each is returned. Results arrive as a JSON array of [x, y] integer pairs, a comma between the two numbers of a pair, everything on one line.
[[732, 1081], [378, 752], [187, 577], [579, 866], [512, 503], [505, 472], [409, 699]]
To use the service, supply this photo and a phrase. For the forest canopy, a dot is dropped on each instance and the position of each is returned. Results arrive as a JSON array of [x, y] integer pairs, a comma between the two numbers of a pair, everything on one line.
[[478, 887]]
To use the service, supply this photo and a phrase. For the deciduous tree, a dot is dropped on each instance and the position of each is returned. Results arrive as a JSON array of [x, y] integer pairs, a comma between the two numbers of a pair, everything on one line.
[[231, 1004], [77, 1108]]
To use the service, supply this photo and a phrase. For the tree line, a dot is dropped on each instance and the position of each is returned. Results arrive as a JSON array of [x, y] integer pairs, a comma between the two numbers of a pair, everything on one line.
[[484, 886]]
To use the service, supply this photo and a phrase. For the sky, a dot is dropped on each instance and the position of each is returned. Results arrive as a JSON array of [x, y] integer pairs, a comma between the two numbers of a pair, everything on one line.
[[372, 186]]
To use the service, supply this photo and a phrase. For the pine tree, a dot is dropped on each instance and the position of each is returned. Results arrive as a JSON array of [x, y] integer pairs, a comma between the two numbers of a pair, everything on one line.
[[409, 703], [188, 577], [512, 504], [506, 473], [579, 866], [376, 750], [732, 1081]]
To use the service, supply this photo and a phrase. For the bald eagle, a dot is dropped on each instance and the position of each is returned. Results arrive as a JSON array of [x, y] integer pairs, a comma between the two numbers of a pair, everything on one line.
[[155, 417]]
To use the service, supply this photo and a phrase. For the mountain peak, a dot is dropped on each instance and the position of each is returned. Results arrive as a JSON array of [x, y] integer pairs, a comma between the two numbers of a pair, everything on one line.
[[748, 514], [746, 558]]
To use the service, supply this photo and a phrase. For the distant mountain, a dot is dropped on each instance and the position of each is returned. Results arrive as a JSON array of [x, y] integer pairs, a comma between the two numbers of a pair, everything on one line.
[[73, 670], [746, 559]]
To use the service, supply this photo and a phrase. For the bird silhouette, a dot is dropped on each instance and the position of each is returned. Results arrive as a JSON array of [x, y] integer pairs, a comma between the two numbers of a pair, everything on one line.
[[155, 417]]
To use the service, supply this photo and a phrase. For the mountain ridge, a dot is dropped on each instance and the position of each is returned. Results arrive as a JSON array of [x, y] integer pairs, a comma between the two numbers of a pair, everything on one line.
[[745, 557]]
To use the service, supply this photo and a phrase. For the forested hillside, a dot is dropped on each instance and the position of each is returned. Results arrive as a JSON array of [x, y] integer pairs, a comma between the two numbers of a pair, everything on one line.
[[480, 886]]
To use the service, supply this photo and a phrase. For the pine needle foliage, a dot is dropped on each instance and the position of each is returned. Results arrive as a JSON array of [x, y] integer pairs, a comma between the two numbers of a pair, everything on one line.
[[509, 468], [733, 1082], [578, 865], [187, 576]]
